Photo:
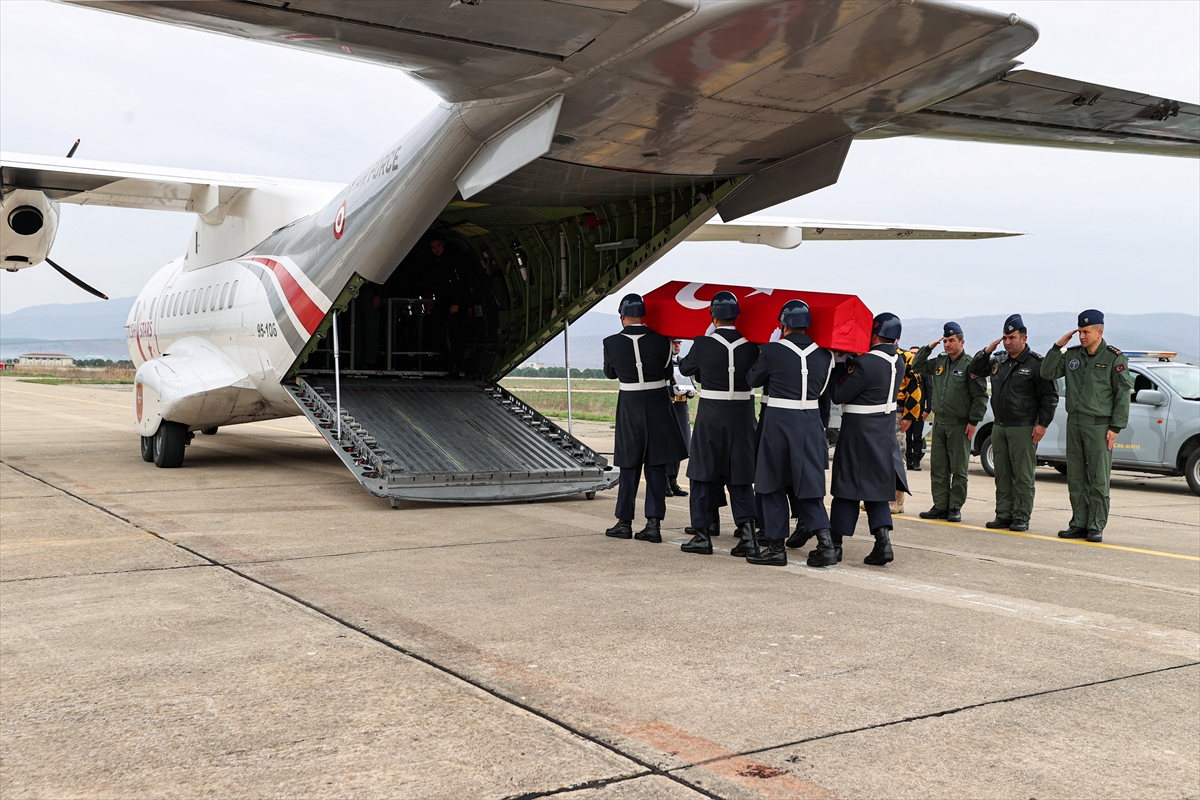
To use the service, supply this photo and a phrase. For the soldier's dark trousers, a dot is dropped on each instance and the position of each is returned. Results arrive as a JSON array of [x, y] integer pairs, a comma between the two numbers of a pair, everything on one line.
[[914, 442], [843, 515], [776, 517], [681, 414], [948, 459], [1015, 458], [656, 491], [706, 499], [1089, 467]]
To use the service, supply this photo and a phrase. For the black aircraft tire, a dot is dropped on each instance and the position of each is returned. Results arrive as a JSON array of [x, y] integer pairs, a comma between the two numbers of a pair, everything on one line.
[[986, 459], [168, 445], [147, 448], [209, 431]]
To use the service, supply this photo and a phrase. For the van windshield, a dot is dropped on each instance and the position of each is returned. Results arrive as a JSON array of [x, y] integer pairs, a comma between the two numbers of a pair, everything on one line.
[[1183, 378]]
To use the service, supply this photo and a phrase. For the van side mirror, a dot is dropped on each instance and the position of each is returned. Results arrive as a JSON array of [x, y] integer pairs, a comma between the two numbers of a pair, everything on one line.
[[1150, 397]]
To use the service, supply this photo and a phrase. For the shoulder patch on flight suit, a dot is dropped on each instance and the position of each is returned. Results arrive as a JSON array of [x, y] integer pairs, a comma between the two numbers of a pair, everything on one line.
[[1119, 368], [940, 370], [1036, 355], [1074, 364], [995, 368]]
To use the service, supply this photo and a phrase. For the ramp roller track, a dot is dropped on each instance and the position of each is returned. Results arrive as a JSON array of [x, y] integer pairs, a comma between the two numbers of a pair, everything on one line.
[[449, 441]]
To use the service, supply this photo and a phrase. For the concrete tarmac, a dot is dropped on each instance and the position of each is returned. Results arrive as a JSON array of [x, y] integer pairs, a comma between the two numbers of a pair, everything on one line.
[[256, 625]]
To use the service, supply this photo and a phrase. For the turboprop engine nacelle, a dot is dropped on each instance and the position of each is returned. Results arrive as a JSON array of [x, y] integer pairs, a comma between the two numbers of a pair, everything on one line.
[[30, 220]]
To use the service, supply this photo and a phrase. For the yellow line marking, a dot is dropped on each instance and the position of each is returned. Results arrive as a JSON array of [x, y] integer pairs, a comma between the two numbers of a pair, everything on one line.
[[285, 430], [1049, 538], [60, 397], [63, 542]]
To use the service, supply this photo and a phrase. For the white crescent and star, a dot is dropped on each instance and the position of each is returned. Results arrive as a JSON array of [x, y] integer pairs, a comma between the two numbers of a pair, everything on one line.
[[686, 296]]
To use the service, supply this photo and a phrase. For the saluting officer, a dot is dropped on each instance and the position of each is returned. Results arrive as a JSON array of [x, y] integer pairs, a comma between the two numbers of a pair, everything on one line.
[[867, 465], [1099, 388], [723, 438], [1023, 403], [959, 402], [648, 436], [793, 452]]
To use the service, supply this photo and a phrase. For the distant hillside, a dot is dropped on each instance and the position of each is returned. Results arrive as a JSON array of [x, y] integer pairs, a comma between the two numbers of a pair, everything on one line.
[[113, 349], [68, 321]]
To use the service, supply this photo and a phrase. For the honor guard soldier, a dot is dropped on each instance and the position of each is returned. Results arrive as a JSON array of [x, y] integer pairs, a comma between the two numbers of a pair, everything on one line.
[[1023, 403], [1099, 388], [866, 464], [723, 440], [681, 392], [793, 451], [959, 402], [647, 433]]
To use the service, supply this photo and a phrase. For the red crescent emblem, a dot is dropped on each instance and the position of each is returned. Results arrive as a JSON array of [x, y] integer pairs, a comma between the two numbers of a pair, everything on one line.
[[339, 221]]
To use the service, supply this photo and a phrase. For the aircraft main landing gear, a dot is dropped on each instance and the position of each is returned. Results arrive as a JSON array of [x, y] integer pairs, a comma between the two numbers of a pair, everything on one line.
[[209, 431], [169, 442], [147, 448]]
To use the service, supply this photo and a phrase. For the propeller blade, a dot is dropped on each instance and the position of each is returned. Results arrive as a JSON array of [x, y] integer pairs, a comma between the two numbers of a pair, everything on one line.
[[74, 147], [76, 281]]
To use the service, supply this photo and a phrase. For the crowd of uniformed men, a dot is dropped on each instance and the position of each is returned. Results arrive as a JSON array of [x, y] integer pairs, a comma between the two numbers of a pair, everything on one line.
[[771, 469]]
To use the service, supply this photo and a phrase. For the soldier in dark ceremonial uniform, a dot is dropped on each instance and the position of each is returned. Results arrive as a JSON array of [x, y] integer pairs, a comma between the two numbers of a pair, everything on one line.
[[647, 433], [1023, 403], [1098, 388], [679, 403], [723, 440], [867, 464], [793, 451]]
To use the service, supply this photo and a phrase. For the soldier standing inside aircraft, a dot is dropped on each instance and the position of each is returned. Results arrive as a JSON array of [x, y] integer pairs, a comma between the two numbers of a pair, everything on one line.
[[647, 433], [959, 402], [793, 451], [1099, 388], [867, 465], [1023, 403], [680, 394], [723, 442]]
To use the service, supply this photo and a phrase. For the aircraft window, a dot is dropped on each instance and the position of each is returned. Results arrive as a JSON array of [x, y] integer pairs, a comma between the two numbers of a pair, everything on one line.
[[207, 304], [175, 304], [152, 304], [191, 302], [224, 294], [232, 292]]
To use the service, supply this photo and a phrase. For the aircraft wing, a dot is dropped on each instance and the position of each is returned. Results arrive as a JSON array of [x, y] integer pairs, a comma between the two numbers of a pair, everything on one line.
[[785, 234], [98, 183], [1026, 107]]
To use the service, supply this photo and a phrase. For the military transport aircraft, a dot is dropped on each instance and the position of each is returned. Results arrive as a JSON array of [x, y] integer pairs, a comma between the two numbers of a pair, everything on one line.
[[578, 141]]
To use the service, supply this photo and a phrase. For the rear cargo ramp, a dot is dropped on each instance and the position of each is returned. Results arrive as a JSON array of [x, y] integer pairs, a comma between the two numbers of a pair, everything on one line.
[[449, 441]]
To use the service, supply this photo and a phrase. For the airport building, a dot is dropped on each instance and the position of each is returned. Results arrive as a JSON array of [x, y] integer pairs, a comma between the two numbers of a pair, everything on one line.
[[45, 359]]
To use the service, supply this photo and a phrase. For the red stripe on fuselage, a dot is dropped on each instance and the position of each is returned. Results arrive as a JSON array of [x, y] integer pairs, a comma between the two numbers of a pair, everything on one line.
[[309, 314]]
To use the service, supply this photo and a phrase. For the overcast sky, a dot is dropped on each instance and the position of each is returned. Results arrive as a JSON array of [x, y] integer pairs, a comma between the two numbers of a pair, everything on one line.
[[1116, 232]]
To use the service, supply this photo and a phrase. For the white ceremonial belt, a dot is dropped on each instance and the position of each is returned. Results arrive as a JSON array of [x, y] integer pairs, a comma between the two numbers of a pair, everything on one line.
[[881, 408], [717, 394], [643, 387], [783, 402]]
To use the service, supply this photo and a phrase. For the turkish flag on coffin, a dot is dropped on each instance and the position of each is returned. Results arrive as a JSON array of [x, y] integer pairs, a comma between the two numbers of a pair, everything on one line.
[[680, 310]]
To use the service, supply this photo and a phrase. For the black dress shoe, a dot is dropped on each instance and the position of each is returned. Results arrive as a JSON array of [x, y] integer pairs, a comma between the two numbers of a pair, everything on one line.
[[916, 467], [799, 537], [748, 546], [882, 552], [954, 515], [700, 543], [674, 488], [825, 555], [934, 513], [1073, 533], [774, 555], [1095, 536], [1019, 525], [650, 533], [998, 522], [668, 492], [622, 530]]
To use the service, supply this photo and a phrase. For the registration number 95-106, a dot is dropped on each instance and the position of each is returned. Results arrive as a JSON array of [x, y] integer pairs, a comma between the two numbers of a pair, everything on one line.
[[267, 330]]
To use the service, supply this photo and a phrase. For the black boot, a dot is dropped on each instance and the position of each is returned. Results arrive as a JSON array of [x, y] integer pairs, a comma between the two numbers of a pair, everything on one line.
[[674, 488], [715, 528], [749, 542], [650, 533], [667, 492], [836, 540], [700, 543], [773, 556], [882, 552], [799, 537], [622, 530], [934, 513], [824, 555]]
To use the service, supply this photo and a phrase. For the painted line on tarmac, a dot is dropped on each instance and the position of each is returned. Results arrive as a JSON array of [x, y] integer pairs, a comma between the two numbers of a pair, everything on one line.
[[1083, 542], [960, 709]]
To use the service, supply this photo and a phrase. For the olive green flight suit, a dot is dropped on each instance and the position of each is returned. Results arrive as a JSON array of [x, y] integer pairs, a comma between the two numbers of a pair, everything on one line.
[[1021, 399], [1099, 388], [959, 399]]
